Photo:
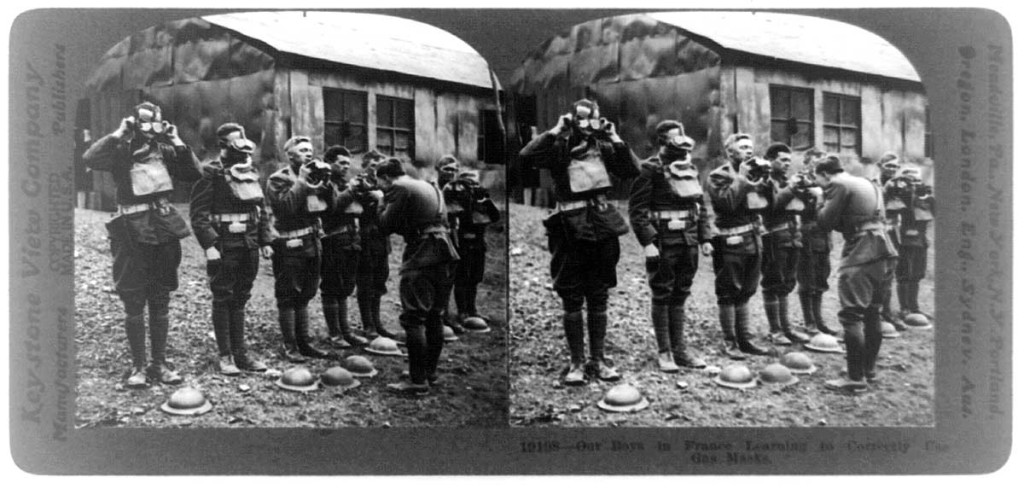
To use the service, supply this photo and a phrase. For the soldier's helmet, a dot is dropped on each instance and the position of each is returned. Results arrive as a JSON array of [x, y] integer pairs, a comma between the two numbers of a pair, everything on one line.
[[736, 376], [360, 366], [798, 363], [623, 398], [187, 401], [824, 343], [298, 379], [777, 374], [384, 346], [339, 377]]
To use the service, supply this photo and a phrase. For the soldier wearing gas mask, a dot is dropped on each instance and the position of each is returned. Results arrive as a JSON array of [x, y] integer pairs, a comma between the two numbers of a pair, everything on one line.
[[231, 223], [782, 242], [582, 151], [814, 263], [669, 216], [145, 154], [916, 214], [372, 272], [447, 170], [894, 207], [470, 211], [341, 250], [298, 194], [739, 192]]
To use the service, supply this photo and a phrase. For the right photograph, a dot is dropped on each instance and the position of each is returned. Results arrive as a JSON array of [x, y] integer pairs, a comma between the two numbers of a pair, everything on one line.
[[720, 219]]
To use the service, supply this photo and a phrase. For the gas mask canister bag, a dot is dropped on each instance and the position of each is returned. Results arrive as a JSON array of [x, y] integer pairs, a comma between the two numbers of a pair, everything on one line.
[[244, 182], [149, 175], [587, 170], [682, 178]]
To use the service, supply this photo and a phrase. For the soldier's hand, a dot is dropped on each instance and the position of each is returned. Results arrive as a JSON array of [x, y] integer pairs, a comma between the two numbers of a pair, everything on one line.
[[707, 248], [172, 134], [125, 128], [609, 127], [816, 192], [378, 195], [267, 251], [651, 251], [563, 125], [212, 254]]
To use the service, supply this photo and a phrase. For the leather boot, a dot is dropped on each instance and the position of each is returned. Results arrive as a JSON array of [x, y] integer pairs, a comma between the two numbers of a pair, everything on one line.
[[434, 336], [855, 349], [369, 331], [819, 319], [135, 329], [912, 290], [872, 342], [791, 333], [660, 320], [302, 338], [807, 307], [744, 333], [901, 294], [348, 334], [159, 324], [727, 320], [572, 322], [237, 335], [471, 292], [597, 329], [682, 357], [290, 350], [221, 317], [771, 311]]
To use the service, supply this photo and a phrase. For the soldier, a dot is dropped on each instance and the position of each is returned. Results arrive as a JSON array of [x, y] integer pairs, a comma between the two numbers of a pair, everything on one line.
[[917, 213], [341, 250], [814, 261], [782, 243], [583, 232], [669, 216], [298, 194], [372, 273], [854, 206], [739, 190], [447, 170], [894, 206], [415, 209], [233, 228], [471, 210], [143, 154]]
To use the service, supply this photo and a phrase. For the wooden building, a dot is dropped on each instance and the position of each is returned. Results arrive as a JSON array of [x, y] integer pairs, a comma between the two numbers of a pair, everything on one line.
[[363, 80], [802, 80]]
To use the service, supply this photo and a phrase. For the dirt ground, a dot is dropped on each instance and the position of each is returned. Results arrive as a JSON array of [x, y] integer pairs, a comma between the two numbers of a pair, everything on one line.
[[473, 369], [903, 396]]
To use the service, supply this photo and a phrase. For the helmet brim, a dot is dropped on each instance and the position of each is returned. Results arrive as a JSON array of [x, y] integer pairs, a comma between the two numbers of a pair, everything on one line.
[[632, 408], [196, 411]]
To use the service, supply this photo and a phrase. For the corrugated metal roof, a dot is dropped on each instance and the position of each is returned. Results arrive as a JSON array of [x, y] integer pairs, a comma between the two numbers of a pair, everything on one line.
[[367, 40], [800, 38]]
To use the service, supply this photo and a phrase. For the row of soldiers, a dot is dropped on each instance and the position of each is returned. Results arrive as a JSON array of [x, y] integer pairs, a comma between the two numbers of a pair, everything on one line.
[[759, 225], [320, 229]]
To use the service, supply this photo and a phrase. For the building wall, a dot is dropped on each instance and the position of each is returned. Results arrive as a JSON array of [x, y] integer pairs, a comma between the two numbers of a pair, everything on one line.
[[891, 120], [445, 122]]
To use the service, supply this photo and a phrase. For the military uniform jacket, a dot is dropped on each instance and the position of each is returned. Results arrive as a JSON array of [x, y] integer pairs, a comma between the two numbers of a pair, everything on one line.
[[289, 198], [727, 190], [781, 222], [341, 224], [371, 239], [467, 231], [850, 204], [211, 196], [153, 226], [415, 209], [812, 237], [650, 194], [590, 223], [913, 232]]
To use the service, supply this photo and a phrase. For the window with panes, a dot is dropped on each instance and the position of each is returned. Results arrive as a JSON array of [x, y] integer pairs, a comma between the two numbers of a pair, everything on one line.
[[345, 119], [792, 116], [395, 127], [841, 124]]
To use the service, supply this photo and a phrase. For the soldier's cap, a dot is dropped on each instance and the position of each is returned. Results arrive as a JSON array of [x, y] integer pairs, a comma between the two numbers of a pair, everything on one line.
[[910, 172], [890, 158]]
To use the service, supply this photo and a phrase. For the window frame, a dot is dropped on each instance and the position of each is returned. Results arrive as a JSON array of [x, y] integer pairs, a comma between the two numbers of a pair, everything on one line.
[[840, 125], [393, 130], [774, 89], [365, 117]]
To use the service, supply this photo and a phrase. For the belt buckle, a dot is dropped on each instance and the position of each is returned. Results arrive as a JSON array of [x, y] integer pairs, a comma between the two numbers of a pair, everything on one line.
[[676, 224], [236, 227], [293, 243]]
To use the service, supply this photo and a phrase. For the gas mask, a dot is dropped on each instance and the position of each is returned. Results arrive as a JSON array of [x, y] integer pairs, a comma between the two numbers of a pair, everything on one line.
[[149, 123], [448, 172], [240, 172]]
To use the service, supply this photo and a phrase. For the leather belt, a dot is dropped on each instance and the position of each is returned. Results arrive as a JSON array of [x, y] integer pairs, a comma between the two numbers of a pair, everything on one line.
[[746, 228], [433, 229], [781, 227], [345, 228], [143, 207], [870, 226], [666, 215], [298, 233], [240, 217], [570, 205]]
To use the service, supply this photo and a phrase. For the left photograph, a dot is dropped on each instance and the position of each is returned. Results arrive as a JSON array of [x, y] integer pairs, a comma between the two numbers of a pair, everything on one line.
[[290, 219]]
